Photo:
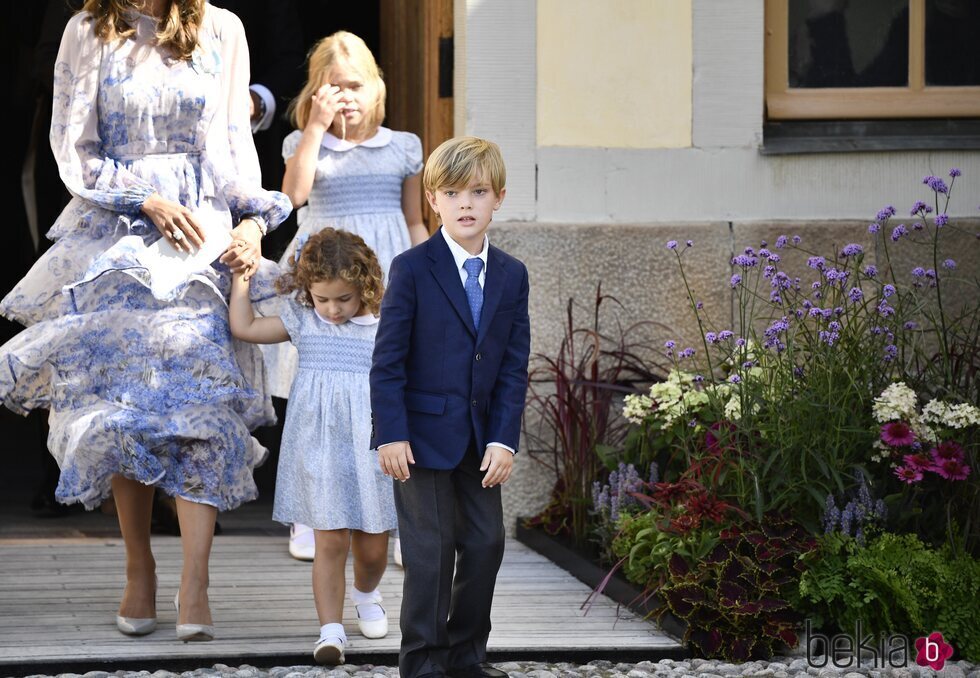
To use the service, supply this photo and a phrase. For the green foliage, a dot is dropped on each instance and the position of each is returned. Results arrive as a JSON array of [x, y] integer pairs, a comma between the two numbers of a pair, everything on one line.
[[895, 584], [647, 546]]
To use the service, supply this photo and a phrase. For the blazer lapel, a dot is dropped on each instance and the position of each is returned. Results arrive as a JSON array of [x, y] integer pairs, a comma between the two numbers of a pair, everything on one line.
[[493, 290], [445, 273]]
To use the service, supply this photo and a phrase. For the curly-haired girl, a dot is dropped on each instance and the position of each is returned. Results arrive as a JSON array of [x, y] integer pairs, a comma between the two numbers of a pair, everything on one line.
[[328, 476]]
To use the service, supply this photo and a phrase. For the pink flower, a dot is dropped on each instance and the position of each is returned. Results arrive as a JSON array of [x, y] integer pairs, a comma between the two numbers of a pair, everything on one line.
[[920, 462], [908, 474], [946, 451], [952, 469], [897, 434]]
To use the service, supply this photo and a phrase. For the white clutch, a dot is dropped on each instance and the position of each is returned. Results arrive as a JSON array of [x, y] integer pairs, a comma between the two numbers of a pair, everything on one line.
[[169, 268]]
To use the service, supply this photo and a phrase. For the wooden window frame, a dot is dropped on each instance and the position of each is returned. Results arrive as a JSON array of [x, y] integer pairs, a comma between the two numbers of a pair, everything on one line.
[[917, 100]]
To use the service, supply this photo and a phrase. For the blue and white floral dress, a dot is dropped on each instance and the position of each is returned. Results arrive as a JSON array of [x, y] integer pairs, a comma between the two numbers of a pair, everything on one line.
[[151, 388]]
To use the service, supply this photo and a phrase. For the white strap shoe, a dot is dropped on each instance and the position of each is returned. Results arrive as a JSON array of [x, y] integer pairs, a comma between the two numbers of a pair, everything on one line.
[[329, 651], [369, 622]]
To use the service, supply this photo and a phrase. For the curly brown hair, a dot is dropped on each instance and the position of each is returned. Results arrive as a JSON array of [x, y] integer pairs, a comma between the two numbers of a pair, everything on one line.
[[177, 29], [331, 254]]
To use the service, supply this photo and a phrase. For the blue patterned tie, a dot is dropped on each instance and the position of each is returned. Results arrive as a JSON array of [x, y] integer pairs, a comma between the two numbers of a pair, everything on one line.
[[474, 293]]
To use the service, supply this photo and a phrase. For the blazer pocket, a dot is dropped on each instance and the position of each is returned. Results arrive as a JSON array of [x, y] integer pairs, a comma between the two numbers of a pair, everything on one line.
[[426, 403]]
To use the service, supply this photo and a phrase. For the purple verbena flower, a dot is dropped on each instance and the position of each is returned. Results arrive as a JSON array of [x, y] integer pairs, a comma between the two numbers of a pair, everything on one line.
[[816, 262], [672, 244], [898, 232], [711, 337], [884, 310], [920, 207], [888, 290], [871, 271], [797, 240], [669, 344], [941, 220], [745, 260], [855, 294], [910, 325], [852, 250], [736, 279], [734, 379], [725, 335], [740, 342], [686, 353], [936, 184], [954, 172], [918, 272], [884, 213], [874, 228], [890, 352], [781, 242], [949, 264]]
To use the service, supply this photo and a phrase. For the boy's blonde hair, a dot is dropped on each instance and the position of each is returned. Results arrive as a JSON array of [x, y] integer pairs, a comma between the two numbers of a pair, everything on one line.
[[340, 46], [456, 162]]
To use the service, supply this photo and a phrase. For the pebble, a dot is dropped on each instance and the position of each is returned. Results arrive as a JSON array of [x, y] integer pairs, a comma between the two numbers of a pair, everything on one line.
[[778, 667]]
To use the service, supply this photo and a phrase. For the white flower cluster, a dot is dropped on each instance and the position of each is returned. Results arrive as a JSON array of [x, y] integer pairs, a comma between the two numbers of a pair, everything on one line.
[[962, 415], [636, 408], [668, 400], [896, 403]]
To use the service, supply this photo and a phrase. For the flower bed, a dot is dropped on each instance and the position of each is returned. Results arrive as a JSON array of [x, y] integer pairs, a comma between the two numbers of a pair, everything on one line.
[[786, 460]]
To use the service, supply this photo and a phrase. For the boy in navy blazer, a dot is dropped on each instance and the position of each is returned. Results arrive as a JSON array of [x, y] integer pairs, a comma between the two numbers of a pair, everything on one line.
[[448, 384]]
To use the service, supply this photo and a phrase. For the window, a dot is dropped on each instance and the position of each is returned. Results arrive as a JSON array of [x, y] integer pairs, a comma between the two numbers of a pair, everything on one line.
[[841, 59]]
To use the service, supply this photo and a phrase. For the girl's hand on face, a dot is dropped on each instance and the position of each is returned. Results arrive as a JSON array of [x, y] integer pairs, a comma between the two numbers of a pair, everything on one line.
[[245, 251], [175, 222], [326, 103]]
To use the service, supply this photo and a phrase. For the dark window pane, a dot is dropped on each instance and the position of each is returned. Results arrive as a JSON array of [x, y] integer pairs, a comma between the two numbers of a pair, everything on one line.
[[952, 42], [839, 43]]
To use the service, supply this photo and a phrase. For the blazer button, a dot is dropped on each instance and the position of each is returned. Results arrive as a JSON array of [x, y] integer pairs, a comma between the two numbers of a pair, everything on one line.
[[479, 357], [473, 403]]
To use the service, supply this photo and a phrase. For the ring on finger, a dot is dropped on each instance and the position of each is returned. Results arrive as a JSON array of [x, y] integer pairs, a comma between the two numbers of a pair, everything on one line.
[[176, 234]]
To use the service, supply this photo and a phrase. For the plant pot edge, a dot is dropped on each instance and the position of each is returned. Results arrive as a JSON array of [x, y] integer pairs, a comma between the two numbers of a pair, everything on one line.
[[591, 574]]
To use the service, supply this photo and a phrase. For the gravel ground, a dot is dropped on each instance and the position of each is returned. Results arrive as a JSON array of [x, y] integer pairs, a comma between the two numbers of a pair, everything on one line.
[[779, 667]]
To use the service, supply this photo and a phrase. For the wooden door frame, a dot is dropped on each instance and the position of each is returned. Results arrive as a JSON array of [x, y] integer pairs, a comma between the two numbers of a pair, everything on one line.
[[416, 41]]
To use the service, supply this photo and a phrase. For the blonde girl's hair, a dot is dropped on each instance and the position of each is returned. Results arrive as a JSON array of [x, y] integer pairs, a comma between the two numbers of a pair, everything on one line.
[[456, 162], [331, 254], [341, 46], [177, 30]]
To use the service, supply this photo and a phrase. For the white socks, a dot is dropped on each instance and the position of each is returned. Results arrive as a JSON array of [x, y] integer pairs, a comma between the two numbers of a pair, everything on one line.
[[328, 631], [367, 605]]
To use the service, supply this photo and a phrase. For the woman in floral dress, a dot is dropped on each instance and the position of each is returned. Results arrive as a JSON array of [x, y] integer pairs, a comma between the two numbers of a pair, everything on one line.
[[144, 384]]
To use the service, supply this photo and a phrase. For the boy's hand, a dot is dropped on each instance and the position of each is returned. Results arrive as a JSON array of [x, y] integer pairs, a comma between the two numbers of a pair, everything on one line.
[[498, 463], [395, 458]]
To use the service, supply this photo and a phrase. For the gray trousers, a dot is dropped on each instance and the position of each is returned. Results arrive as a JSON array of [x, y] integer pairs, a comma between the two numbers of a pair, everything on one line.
[[446, 519]]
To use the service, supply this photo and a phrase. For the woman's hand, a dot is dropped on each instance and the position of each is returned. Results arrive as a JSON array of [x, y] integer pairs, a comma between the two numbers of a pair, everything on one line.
[[326, 103], [245, 250], [175, 222]]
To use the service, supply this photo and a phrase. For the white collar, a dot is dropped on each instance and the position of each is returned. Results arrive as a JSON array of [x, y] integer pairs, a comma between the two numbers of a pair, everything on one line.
[[381, 138], [461, 255], [357, 319]]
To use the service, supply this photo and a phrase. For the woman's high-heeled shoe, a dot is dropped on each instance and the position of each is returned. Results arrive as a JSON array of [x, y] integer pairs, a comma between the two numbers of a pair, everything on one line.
[[192, 632], [138, 626]]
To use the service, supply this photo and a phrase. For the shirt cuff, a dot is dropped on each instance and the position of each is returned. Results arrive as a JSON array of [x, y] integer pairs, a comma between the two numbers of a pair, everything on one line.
[[393, 442], [506, 447], [265, 121]]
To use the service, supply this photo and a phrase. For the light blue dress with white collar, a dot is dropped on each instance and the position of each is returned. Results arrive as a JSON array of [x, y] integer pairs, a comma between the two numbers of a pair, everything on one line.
[[153, 388], [357, 188], [329, 477]]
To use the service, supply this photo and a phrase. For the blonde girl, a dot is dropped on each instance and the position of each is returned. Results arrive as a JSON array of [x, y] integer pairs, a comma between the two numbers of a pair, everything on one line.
[[328, 476]]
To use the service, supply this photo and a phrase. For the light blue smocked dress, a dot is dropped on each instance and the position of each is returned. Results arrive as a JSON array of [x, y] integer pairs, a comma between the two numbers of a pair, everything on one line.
[[357, 188], [151, 388], [329, 477]]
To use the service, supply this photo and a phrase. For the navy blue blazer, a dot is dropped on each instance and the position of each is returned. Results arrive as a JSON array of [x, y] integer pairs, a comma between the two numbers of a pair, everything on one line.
[[437, 382]]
